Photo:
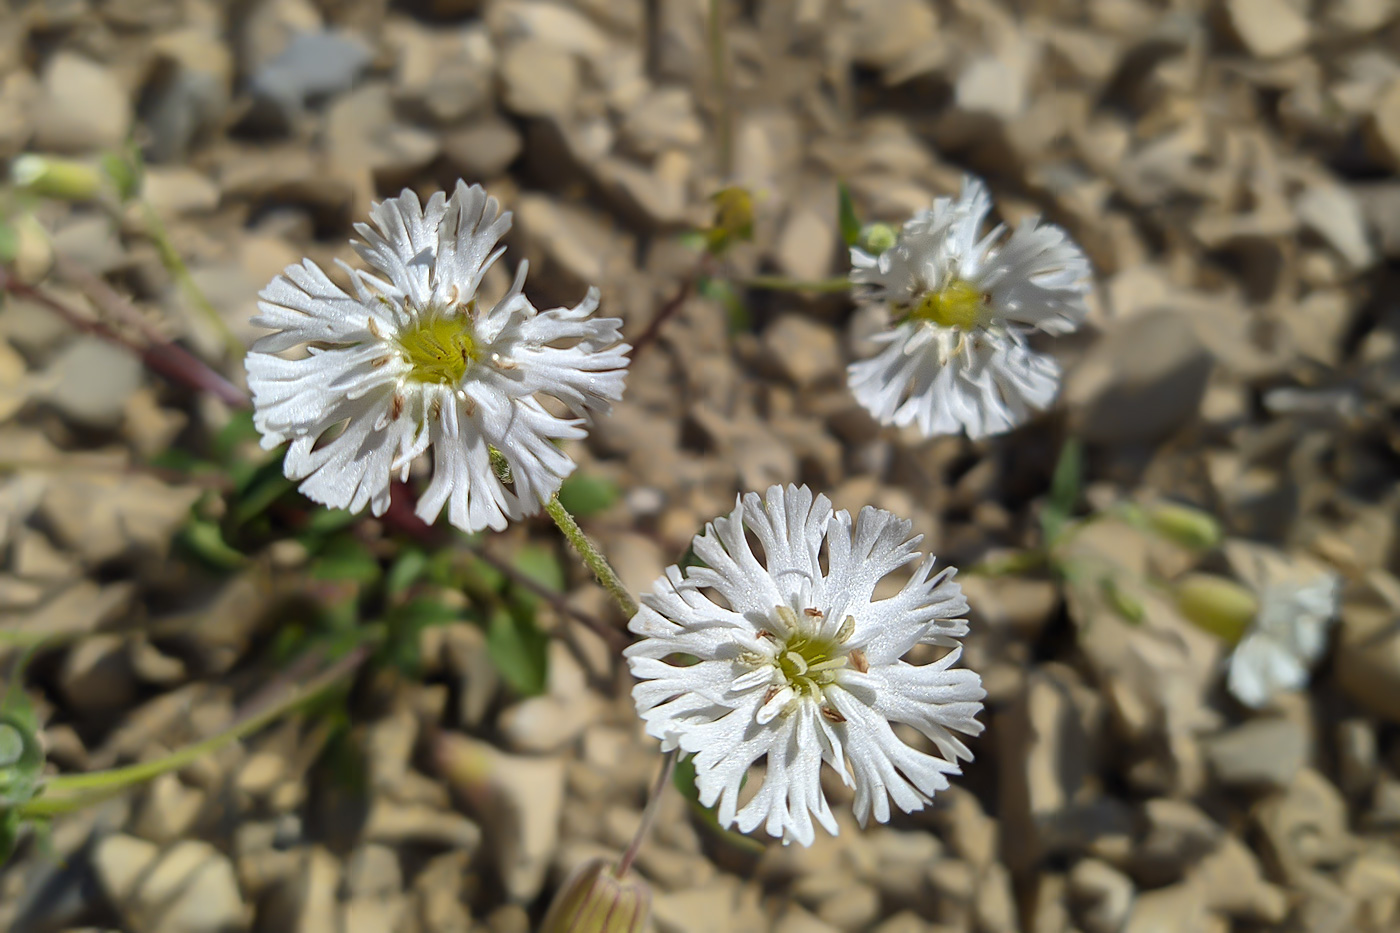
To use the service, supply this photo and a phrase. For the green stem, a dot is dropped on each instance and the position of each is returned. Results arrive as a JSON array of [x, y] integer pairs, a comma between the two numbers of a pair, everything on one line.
[[75, 791], [175, 265], [780, 283], [668, 765], [591, 556]]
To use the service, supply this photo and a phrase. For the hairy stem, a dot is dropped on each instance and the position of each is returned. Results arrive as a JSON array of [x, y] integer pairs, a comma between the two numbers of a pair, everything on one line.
[[175, 265], [591, 556]]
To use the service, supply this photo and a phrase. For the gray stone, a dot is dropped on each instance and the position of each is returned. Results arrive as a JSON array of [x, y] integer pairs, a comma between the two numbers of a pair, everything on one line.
[[1260, 753], [95, 677], [1268, 28], [189, 94], [82, 107], [1330, 211], [539, 79], [313, 65], [91, 380], [1145, 379], [362, 133], [1103, 895], [805, 352], [482, 150]]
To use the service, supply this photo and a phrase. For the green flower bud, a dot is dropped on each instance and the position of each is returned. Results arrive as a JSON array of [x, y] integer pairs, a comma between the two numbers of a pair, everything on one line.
[[1187, 526], [1216, 604], [733, 219], [63, 179], [595, 900], [876, 238]]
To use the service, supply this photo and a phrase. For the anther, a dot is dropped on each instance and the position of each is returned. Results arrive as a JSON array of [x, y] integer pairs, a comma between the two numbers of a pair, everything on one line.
[[814, 613], [858, 660], [396, 407], [831, 714]]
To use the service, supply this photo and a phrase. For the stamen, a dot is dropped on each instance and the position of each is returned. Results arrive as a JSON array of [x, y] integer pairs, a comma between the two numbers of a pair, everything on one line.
[[847, 629], [396, 407], [830, 714], [858, 660], [797, 661], [957, 303]]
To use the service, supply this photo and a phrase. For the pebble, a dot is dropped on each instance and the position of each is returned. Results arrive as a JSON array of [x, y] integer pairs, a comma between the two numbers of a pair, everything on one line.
[[1264, 753], [82, 106], [1268, 28], [91, 380], [539, 80], [482, 150], [1145, 379], [519, 799], [1104, 896]]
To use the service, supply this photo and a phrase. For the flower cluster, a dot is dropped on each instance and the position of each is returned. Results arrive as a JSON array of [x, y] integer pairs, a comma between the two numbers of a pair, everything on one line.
[[957, 358], [796, 661], [414, 361]]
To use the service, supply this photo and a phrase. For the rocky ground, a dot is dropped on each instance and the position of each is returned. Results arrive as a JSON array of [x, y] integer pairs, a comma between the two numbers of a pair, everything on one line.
[[1230, 168]]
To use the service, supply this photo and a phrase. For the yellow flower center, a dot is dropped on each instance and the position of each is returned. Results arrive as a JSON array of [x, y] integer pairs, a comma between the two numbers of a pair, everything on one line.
[[957, 304], [808, 659], [440, 348]]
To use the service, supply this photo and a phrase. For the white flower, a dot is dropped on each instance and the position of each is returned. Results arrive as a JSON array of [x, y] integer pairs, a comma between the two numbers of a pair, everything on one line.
[[802, 665], [413, 361], [1289, 631], [957, 358]]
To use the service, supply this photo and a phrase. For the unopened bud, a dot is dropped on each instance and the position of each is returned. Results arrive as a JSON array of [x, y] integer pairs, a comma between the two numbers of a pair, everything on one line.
[[1187, 526], [1216, 604], [733, 219], [63, 179], [595, 900], [876, 238]]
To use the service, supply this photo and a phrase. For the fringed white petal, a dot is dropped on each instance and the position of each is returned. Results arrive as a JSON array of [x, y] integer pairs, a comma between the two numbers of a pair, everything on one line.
[[747, 615]]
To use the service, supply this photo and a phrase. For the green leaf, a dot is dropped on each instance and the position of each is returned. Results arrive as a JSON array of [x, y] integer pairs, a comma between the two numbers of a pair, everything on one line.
[[684, 779], [541, 564], [721, 291], [1128, 606], [9, 242], [585, 494], [850, 223], [345, 558], [1064, 491], [408, 568], [264, 487], [205, 540], [238, 432], [519, 649], [405, 626], [326, 521], [10, 826]]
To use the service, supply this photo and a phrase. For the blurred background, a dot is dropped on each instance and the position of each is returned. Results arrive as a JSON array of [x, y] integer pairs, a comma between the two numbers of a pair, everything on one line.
[[1230, 169]]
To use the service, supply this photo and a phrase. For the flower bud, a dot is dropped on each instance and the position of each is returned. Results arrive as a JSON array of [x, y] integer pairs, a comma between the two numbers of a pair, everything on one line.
[[63, 179], [1216, 604], [595, 900], [733, 219], [876, 238], [1187, 526]]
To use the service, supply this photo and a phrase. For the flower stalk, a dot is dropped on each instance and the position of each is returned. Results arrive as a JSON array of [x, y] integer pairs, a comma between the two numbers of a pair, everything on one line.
[[592, 557], [69, 792]]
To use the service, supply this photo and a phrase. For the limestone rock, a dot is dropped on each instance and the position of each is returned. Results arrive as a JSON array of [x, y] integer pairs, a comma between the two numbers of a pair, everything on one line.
[[83, 106]]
